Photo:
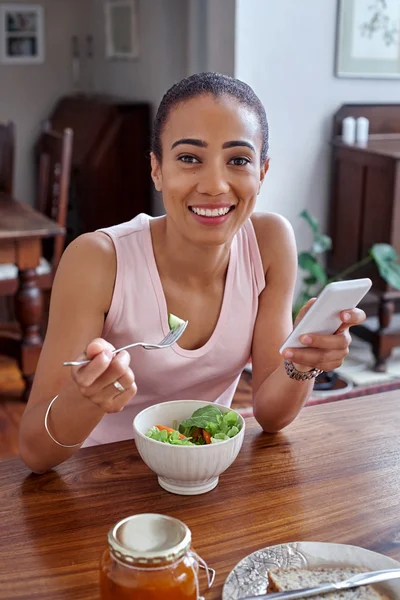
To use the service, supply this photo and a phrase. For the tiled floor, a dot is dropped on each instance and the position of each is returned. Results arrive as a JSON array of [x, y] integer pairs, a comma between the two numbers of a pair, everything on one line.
[[358, 366]]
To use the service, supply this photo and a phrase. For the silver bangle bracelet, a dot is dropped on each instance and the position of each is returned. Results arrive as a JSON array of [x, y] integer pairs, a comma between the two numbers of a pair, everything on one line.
[[47, 428]]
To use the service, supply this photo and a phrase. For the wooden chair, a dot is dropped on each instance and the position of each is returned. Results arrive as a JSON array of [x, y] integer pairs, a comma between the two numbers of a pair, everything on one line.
[[54, 154], [7, 151]]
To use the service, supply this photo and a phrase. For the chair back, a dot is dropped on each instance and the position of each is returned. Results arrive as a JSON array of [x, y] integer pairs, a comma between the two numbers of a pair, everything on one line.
[[55, 153], [7, 151]]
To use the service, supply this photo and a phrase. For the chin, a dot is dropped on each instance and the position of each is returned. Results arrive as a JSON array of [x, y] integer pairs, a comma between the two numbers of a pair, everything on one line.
[[211, 238]]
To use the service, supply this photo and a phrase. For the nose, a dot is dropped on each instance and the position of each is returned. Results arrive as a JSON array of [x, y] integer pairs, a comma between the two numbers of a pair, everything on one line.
[[213, 180]]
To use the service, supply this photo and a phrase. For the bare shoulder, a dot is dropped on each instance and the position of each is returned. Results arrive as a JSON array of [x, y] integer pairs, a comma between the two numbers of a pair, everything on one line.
[[95, 246], [275, 238], [89, 265]]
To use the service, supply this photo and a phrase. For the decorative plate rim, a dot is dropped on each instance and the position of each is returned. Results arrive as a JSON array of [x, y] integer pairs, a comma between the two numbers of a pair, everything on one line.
[[250, 575]]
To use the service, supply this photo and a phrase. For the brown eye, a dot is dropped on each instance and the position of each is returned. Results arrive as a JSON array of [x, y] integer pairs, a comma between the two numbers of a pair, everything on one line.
[[187, 158], [239, 161]]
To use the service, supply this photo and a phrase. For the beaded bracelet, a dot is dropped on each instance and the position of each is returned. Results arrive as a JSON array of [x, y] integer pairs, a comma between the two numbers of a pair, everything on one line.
[[293, 373]]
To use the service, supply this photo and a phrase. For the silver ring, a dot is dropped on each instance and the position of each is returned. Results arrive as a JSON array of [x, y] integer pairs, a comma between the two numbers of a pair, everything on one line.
[[118, 386]]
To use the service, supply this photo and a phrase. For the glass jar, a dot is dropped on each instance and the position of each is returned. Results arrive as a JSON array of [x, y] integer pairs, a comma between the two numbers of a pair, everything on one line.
[[149, 556]]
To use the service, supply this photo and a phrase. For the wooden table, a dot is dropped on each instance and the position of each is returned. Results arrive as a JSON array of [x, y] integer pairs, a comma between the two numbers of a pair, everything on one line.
[[333, 475], [21, 230]]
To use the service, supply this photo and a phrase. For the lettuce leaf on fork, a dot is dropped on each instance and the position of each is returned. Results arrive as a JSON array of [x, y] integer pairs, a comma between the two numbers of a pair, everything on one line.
[[174, 322]]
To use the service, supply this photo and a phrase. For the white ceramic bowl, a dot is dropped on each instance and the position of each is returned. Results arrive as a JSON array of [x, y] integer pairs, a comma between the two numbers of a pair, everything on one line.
[[185, 470]]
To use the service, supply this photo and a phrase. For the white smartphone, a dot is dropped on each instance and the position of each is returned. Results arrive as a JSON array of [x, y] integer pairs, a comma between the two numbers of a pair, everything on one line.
[[324, 315]]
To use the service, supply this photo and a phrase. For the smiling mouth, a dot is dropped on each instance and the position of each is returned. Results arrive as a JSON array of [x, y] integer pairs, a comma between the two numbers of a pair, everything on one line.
[[211, 212]]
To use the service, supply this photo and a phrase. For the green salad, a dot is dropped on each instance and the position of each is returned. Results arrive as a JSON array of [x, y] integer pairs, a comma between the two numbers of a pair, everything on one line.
[[207, 425]]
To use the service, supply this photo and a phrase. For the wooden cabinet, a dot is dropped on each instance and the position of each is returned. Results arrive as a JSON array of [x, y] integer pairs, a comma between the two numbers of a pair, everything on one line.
[[365, 209], [110, 178]]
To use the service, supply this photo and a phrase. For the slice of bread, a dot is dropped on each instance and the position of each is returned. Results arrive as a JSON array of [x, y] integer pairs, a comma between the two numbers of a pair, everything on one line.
[[285, 580]]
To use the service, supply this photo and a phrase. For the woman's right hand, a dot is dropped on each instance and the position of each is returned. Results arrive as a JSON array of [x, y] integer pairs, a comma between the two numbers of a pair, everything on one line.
[[96, 380]]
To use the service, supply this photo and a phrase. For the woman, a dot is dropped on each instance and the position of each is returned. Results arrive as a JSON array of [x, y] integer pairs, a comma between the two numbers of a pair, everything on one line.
[[209, 260]]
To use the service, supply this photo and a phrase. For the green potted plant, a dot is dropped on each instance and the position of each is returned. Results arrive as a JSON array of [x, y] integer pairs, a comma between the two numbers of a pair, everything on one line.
[[315, 275]]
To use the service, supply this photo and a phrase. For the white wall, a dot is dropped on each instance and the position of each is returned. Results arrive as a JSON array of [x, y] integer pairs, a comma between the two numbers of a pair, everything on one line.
[[162, 47], [211, 36], [285, 50], [29, 92], [162, 55]]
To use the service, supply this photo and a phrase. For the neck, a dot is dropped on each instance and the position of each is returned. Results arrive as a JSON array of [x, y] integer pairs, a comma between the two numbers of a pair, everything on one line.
[[180, 259]]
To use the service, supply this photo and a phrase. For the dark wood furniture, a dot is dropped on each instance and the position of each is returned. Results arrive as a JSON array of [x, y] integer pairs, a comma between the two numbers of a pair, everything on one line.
[[365, 209], [54, 170], [110, 179], [331, 476], [7, 151], [55, 156], [22, 230]]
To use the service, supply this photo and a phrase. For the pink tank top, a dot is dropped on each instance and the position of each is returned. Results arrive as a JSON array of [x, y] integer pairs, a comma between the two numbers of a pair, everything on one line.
[[139, 312]]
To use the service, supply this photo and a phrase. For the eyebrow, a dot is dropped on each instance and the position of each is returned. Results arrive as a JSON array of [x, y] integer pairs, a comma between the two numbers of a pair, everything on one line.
[[202, 144]]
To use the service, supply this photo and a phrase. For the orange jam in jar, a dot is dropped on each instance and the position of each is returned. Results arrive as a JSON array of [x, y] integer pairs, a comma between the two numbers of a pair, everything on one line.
[[148, 558]]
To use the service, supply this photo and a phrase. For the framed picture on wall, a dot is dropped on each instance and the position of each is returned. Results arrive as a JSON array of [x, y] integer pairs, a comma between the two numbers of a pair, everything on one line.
[[121, 29], [368, 39], [21, 34]]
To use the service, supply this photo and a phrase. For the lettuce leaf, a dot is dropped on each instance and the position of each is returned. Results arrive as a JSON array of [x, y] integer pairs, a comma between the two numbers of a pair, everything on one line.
[[202, 417], [169, 437], [221, 426]]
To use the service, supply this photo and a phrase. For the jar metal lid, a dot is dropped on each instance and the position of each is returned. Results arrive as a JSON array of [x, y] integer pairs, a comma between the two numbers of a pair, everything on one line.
[[149, 538]]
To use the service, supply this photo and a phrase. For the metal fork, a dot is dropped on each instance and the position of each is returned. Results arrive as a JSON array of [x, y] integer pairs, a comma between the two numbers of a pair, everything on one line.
[[171, 337]]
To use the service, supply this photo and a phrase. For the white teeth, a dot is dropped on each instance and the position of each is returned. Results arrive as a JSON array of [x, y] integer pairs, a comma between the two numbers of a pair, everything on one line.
[[214, 212]]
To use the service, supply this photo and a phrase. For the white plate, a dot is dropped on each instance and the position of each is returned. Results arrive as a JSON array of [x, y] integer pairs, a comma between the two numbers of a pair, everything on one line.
[[250, 576]]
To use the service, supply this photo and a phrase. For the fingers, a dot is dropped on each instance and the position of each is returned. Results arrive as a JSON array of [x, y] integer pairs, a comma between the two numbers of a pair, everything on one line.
[[116, 400], [111, 399], [87, 374], [317, 358], [117, 368], [99, 352], [351, 317], [338, 341], [96, 380], [96, 346], [325, 352]]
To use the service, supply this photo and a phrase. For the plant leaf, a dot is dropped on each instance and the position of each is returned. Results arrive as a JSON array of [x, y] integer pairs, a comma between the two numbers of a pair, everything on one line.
[[321, 244], [312, 222], [391, 274], [310, 280], [309, 263], [386, 260], [383, 252]]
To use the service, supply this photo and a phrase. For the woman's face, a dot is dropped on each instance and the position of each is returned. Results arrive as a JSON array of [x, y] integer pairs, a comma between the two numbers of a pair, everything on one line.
[[211, 172]]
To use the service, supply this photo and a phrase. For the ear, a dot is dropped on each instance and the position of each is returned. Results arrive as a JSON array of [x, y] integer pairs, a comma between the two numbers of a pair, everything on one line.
[[263, 172], [156, 172]]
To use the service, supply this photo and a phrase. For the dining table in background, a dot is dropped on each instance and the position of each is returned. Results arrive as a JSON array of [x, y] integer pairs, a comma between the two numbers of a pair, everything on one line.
[[333, 475], [22, 229]]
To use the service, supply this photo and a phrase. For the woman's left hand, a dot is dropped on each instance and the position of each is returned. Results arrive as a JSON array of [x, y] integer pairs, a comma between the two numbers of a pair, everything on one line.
[[325, 352]]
